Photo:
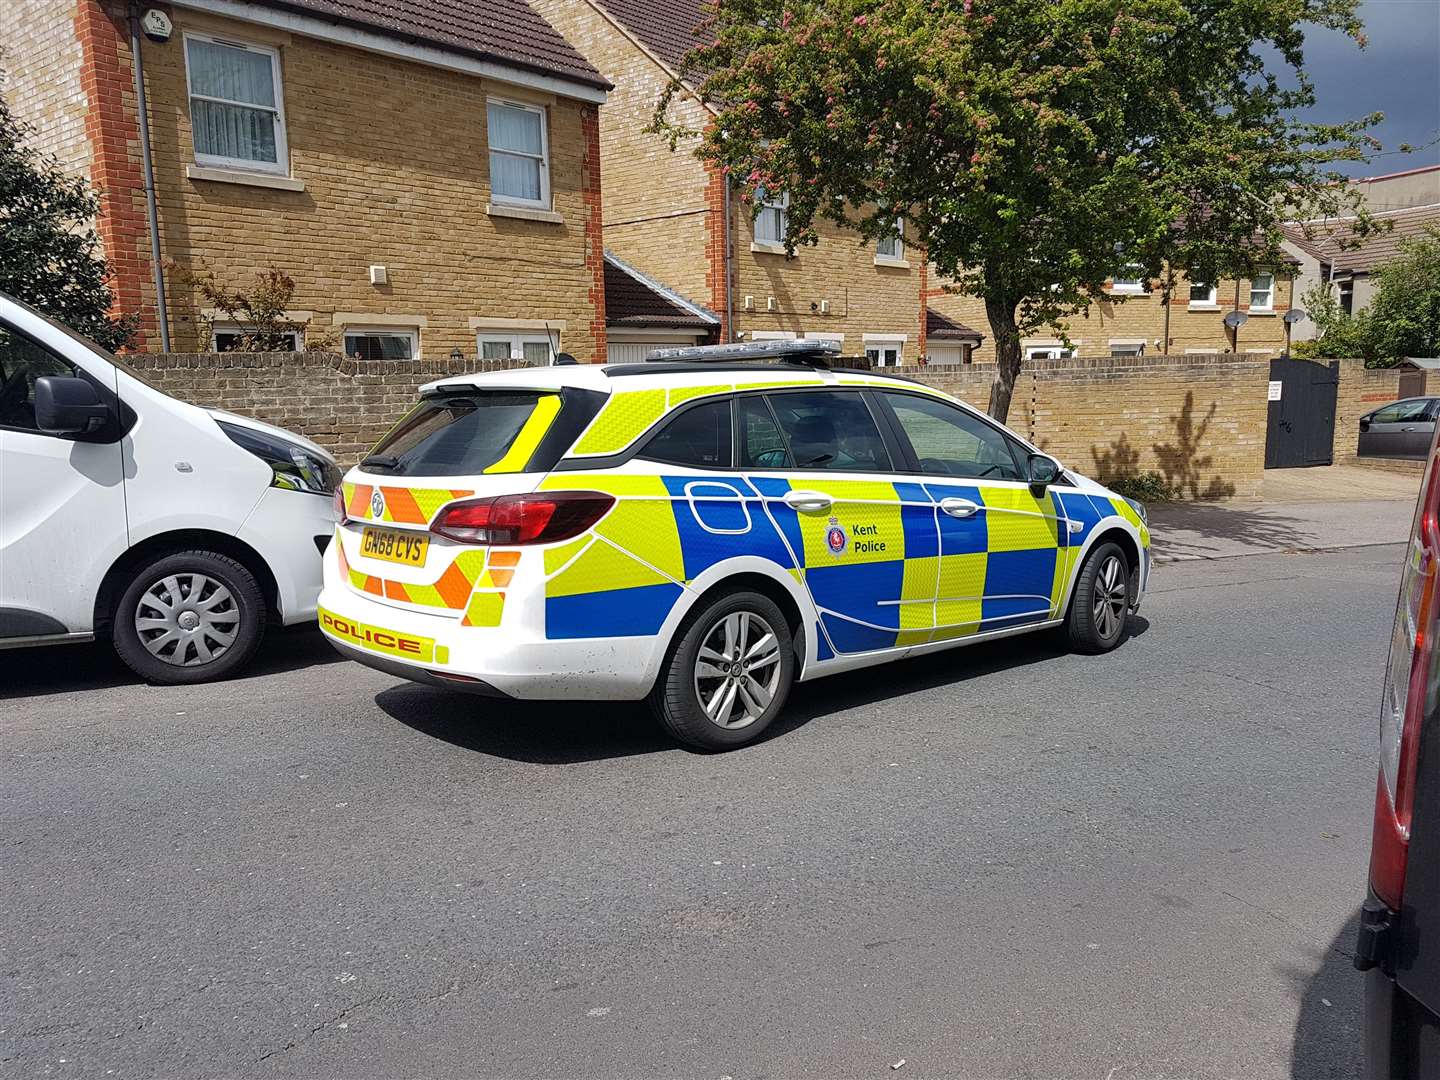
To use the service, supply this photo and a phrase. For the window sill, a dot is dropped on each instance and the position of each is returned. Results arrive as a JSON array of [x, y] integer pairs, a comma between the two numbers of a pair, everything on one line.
[[765, 247], [1126, 292], [1203, 307], [1262, 313], [247, 179], [524, 213], [890, 260]]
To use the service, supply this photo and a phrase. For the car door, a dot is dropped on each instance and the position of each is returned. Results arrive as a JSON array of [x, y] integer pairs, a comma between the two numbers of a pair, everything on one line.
[[1391, 431], [1421, 431], [62, 503], [1004, 546], [824, 468]]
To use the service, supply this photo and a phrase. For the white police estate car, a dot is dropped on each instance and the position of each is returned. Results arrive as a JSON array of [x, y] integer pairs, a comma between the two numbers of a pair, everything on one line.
[[706, 530]]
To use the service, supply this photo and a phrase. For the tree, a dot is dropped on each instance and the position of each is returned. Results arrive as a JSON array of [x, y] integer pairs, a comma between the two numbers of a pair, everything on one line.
[[51, 257], [1035, 149]]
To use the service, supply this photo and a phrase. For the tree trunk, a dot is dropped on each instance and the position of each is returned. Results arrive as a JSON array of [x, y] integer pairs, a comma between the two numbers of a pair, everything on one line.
[[1007, 356]]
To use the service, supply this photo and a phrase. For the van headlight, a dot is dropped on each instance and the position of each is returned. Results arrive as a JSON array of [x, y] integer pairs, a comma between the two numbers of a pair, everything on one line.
[[293, 467], [1139, 508]]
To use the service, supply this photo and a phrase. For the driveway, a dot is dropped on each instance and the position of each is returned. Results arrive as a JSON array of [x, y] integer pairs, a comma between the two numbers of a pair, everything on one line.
[[1002, 862]]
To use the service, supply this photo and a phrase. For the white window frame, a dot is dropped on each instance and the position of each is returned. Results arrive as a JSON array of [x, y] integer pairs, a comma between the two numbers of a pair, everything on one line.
[[782, 206], [281, 166], [218, 328], [1269, 304], [1129, 286], [1210, 304], [878, 344], [413, 333], [1052, 352], [896, 257], [1122, 347], [517, 342], [542, 203]]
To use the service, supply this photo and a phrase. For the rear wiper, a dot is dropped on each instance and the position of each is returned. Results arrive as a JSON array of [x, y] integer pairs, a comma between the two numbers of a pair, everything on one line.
[[380, 461]]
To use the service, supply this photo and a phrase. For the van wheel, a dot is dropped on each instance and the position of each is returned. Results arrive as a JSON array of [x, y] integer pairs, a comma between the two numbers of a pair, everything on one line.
[[728, 673], [189, 617], [1101, 602]]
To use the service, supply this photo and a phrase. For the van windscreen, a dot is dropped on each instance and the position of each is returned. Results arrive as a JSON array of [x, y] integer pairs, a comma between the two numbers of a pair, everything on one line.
[[466, 433]]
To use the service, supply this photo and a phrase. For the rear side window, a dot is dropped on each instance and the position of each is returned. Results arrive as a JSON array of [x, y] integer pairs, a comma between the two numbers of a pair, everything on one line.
[[698, 437], [831, 430], [466, 433], [1402, 411]]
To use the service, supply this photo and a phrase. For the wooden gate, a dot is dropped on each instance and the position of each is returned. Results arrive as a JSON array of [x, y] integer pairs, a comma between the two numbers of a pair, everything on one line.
[[1301, 430]]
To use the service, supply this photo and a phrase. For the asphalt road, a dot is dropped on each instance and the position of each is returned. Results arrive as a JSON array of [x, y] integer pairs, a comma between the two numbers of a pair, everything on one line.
[[1001, 862]]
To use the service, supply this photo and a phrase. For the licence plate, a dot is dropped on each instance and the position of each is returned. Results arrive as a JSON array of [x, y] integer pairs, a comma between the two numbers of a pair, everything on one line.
[[392, 545]]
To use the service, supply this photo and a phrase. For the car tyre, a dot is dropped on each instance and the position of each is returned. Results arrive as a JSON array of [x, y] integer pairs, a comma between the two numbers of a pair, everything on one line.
[[728, 672], [188, 617], [1101, 603]]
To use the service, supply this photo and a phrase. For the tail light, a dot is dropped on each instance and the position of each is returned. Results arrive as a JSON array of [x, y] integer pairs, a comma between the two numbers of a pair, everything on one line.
[[537, 518], [338, 504], [1409, 695]]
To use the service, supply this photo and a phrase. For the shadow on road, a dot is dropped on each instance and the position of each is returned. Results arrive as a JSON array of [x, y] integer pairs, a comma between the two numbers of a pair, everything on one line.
[[1262, 526], [1328, 1031], [66, 669], [566, 732]]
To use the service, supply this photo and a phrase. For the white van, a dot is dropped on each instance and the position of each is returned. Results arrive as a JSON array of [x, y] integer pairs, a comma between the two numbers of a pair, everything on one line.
[[176, 531]]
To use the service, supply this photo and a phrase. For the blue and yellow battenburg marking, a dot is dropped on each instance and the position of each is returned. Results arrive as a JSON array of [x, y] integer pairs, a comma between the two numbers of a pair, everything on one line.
[[884, 567]]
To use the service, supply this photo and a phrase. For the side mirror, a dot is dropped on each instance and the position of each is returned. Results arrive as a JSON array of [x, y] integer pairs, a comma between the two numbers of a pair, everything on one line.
[[1043, 470], [1364, 423], [66, 405]]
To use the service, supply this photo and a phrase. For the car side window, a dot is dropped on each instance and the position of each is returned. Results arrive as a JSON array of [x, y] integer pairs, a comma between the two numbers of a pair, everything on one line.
[[948, 441], [698, 437], [1401, 411], [22, 361], [761, 444], [830, 430]]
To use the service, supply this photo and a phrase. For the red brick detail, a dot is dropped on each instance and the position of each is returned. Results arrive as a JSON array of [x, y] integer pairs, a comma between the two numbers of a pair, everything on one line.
[[594, 228], [113, 129], [715, 179]]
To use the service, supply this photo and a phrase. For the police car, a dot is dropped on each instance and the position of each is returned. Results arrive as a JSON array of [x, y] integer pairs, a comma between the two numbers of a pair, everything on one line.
[[707, 528]]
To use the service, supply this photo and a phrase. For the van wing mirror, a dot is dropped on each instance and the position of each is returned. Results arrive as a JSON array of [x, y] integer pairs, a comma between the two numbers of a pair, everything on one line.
[[1043, 470], [66, 405]]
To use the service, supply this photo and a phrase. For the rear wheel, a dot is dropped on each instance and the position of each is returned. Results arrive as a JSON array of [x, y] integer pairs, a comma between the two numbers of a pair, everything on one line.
[[189, 617], [728, 673], [1101, 602]]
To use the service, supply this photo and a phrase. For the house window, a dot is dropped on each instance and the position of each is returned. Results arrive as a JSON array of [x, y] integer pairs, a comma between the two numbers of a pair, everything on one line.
[[1127, 348], [226, 338], [1262, 292], [770, 221], [236, 118], [1049, 352], [892, 247], [883, 353], [1202, 296], [533, 349], [519, 171], [1347, 297], [387, 344], [1131, 282]]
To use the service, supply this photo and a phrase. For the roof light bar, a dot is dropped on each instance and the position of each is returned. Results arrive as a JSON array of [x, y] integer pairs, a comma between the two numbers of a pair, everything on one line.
[[808, 350]]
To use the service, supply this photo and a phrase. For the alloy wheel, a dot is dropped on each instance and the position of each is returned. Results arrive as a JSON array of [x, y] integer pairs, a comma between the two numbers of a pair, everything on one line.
[[1111, 597], [737, 669]]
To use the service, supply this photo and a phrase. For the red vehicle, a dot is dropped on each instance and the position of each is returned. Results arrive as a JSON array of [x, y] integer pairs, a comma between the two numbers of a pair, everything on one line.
[[1399, 944]]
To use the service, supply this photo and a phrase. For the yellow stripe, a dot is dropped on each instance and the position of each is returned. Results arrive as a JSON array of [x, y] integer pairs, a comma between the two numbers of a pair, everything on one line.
[[530, 435], [625, 417]]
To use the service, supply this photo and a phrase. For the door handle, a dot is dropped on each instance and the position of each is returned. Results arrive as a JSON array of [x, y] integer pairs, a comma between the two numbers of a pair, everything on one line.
[[960, 508], [808, 501]]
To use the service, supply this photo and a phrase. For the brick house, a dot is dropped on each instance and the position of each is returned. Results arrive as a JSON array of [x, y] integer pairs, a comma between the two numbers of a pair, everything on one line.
[[428, 171], [671, 217]]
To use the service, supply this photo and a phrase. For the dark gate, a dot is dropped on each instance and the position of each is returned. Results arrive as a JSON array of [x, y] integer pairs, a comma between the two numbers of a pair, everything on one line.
[[1302, 417]]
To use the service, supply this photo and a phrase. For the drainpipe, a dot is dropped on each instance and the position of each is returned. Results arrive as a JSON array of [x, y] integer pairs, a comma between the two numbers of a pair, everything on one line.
[[729, 267], [143, 110]]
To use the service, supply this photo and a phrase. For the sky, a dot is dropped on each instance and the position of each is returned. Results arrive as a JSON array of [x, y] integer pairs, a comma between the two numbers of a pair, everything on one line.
[[1398, 73]]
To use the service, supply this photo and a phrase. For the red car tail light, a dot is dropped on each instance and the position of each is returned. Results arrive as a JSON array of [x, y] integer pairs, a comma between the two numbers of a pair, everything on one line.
[[509, 520], [1410, 692]]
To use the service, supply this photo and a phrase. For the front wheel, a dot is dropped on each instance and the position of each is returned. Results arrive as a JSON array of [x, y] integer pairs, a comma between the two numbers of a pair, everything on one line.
[[728, 674], [1101, 601], [189, 617]]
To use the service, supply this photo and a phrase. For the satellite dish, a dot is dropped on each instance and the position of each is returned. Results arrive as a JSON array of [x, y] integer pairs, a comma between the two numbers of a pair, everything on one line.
[[1236, 319], [1294, 315]]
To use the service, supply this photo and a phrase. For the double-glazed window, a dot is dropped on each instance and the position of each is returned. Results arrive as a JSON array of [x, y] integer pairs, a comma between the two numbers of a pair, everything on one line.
[[381, 344], [237, 117], [1262, 292], [534, 349], [519, 165], [231, 337], [892, 248], [948, 441], [770, 221], [1129, 279], [1202, 295]]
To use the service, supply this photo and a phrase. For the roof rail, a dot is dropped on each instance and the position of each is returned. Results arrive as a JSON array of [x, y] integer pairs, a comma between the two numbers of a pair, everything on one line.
[[815, 352]]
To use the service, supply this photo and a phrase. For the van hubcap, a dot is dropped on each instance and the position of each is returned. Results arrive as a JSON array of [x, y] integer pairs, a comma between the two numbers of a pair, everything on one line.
[[1111, 596], [187, 619], [737, 670]]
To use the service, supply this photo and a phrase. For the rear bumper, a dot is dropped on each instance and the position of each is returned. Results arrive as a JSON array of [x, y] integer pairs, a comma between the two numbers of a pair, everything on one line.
[[415, 674]]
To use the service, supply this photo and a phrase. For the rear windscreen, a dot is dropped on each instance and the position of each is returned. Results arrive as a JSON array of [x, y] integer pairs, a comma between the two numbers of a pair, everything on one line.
[[462, 434]]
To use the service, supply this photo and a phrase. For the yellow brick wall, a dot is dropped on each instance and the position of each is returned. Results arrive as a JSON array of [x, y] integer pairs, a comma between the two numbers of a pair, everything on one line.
[[395, 164], [40, 59], [1361, 390], [1142, 317]]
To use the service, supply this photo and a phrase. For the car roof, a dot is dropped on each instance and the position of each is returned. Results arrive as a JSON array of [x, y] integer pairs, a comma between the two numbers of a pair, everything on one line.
[[607, 378]]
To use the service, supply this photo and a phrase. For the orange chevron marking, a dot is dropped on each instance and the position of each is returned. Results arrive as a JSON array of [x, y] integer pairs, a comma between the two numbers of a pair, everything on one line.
[[504, 558], [402, 506], [360, 500], [454, 587]]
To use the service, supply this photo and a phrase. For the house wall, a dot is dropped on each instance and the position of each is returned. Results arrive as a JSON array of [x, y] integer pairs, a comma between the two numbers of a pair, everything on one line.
[[1142, 317], [40, 64], [1414, 187]]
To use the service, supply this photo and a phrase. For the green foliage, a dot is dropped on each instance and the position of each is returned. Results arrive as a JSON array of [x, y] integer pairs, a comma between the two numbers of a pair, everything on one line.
[[1148, 487], [1403, 318], [1034, 149], [50, 256]]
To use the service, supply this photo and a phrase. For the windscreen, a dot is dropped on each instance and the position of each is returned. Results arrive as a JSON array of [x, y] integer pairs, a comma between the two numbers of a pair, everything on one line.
[[466, 433]]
